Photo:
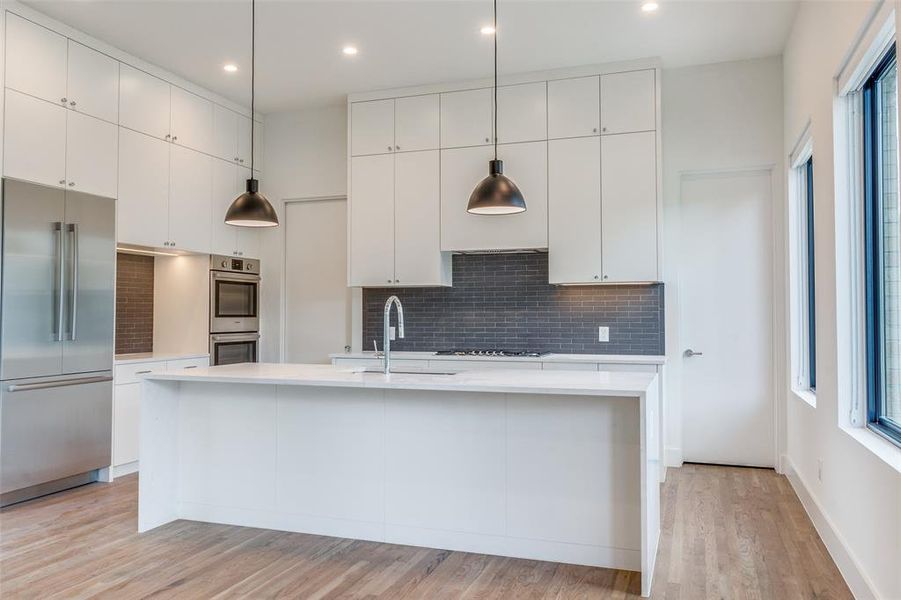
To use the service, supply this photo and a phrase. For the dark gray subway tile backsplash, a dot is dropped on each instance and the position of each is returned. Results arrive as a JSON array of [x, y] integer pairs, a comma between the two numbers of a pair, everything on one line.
[[134, 303], [504, 301]]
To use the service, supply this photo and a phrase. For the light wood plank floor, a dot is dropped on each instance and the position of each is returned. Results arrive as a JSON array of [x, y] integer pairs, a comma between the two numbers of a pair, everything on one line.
[[728, 533]]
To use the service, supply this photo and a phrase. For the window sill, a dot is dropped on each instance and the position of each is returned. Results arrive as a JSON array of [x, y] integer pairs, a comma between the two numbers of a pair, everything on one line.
[[806, 396], [888, 452]]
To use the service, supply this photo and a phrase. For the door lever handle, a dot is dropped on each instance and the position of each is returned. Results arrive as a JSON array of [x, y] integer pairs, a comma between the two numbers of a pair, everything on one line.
[[689, 353]]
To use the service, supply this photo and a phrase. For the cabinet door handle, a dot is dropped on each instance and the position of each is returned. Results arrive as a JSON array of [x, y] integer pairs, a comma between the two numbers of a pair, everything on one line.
[[595, 130], [63, 100], [191, 367], [168, 135], [174, 137], [72, 103], [143, 372], [71, 184], [62, 182]]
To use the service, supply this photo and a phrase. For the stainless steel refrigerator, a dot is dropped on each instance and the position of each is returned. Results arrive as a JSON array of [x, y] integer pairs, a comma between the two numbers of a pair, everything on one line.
[[56, 339]]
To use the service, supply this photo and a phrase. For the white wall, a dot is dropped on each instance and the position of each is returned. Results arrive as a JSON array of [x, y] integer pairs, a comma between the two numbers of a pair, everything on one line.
[[857, 505], [723, 116], [181, 304], [306, 157]]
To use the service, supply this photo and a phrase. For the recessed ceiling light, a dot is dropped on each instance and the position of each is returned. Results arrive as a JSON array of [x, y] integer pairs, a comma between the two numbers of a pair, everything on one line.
[[230, 68], [349, 50], [487, 30], [649, 7]]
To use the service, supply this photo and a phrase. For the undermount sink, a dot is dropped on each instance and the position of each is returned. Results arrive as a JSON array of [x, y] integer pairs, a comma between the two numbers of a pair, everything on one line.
[[407, 371]]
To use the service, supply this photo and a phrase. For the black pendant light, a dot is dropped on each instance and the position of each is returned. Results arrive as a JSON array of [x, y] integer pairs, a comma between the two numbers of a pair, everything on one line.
[[252, 209], [496, 194]]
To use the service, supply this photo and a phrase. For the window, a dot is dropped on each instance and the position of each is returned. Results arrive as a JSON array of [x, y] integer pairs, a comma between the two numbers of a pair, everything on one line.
[[810, 296], [804, 361], [882, 248]]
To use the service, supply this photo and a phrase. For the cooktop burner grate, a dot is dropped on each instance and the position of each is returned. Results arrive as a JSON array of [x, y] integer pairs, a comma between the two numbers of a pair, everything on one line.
[[489, 352]]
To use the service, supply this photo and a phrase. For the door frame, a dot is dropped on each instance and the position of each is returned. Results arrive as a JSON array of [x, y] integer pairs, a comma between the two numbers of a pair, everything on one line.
[[356, 296], [776, 349]]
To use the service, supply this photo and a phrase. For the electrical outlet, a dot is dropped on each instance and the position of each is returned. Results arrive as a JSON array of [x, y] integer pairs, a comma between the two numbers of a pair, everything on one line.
[[820, 470], [391, 333], [603, 334]]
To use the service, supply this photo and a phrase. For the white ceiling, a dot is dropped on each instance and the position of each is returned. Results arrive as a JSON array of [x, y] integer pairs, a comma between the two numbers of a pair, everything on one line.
[[402, 43]]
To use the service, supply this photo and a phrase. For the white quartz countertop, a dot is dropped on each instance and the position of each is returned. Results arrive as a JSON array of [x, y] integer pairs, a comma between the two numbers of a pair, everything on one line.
[[127, 359], [589, 383], [626, 359]]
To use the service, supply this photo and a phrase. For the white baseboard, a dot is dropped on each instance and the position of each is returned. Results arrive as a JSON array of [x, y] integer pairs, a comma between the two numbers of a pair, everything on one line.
[[126, 469], [861, 586], [673, 457]]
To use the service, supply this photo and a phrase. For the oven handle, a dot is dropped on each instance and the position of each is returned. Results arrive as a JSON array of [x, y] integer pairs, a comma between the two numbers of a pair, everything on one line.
[[243, 337], [241, 277]]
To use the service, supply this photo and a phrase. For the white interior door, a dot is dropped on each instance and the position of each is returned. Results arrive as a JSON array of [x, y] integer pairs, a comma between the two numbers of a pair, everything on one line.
[[725, 285], [318, 301]]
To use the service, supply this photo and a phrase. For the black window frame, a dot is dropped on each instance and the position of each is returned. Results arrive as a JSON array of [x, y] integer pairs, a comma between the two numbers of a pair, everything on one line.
[[873, 251], [811, 279]]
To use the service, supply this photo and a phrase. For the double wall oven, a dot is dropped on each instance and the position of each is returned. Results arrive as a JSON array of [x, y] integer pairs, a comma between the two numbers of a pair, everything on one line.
[[234, 310]]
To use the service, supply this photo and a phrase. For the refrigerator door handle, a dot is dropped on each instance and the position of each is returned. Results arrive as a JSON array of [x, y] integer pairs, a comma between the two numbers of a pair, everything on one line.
[[25, 387], [58, 283], [73, 283]]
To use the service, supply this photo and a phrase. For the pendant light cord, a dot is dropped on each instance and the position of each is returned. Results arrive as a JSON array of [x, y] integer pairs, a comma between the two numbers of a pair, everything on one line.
[[495, 79], [253, 52]]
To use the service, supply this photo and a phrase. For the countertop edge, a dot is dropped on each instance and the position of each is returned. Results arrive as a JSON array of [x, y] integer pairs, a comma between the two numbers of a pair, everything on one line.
[[157, 357], [636, 359]]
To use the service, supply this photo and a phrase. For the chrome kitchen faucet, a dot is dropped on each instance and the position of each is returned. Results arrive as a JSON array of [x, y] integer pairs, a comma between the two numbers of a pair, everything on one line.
[[386, 343]]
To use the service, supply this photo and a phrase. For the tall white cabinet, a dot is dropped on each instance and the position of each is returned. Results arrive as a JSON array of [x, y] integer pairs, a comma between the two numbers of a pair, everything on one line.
[[603, 206], [394, 194], [76, 118], [583, 147]]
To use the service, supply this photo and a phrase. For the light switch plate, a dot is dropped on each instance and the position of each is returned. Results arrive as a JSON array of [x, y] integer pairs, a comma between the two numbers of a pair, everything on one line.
[[603, 334]]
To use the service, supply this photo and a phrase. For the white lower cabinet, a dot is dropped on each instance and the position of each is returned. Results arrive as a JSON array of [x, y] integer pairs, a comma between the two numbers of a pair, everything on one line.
[[50, 145], [127, 407], [463, 168]]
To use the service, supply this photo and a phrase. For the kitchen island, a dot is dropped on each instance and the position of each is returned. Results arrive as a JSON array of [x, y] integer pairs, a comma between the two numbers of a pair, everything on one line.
[[548, 465]]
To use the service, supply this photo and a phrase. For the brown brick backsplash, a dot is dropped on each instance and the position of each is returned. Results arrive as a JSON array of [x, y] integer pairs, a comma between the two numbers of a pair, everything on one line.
[[134, 303], [504, 301]]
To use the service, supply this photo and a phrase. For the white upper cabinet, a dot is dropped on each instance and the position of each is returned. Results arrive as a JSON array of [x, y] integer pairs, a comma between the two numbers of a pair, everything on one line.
[[522, 112], [466, 118], [225, 133], [243, 143], [248, 238], [35, 60], [372, 220], [190, 194], [372, 126], [143, 102], [143, 207], [34, 140], [91, 155], [574, 210], [417, 230], [463, 168], [93, 83], [223, 238], [628, 102], [573, 107], [191, 120], [229, 181], [416, 123], [629, 208]]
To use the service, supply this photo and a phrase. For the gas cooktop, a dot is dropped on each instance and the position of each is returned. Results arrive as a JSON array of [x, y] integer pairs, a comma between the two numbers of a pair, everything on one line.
[[490, 352]]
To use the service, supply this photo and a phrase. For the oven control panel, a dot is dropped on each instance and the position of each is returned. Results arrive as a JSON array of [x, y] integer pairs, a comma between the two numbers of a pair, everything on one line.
[[234, 265]]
